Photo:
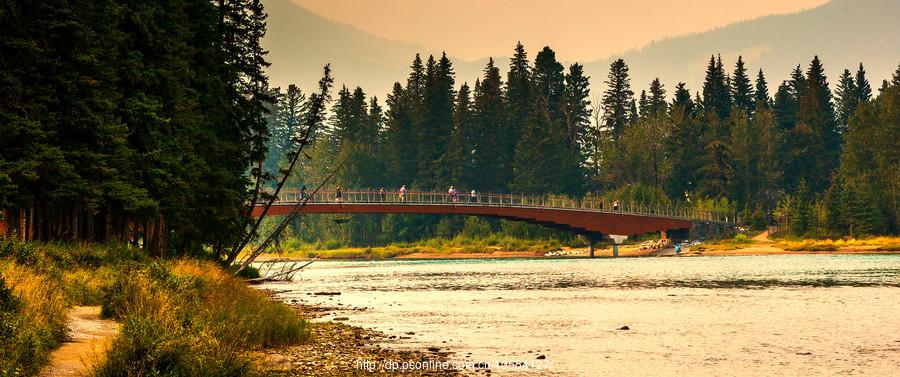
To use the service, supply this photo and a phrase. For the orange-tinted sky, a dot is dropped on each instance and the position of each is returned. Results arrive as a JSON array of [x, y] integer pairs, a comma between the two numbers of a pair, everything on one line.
[[576, 29]]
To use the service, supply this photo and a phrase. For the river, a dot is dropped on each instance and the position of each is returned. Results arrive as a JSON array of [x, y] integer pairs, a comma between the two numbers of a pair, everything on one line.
[[740, 316]]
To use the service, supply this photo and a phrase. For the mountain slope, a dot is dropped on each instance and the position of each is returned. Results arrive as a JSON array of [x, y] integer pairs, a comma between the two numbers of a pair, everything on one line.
[[300, 43], [842, 32]]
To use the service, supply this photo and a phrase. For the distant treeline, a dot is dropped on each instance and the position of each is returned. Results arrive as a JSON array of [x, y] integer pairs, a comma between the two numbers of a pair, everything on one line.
[[124, 119], [815, 161]]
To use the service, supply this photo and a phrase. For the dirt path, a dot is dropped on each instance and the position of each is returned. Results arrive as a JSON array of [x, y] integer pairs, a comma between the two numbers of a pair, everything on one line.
[[762, 237], [91, 336]]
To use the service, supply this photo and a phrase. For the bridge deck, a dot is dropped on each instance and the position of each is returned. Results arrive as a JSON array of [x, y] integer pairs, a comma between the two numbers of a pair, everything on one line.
[[584, 216]]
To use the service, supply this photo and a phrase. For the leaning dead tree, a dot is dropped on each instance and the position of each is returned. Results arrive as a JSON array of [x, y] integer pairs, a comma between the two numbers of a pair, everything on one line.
[[314, 117], [281, 269], [247, 258]]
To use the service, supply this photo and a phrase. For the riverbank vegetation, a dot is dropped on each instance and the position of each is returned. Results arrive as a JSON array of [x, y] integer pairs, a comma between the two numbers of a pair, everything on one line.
[[432, 246], [179, 317]]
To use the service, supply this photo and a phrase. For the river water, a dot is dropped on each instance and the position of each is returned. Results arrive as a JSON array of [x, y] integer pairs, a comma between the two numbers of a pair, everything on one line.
[[740, 316]]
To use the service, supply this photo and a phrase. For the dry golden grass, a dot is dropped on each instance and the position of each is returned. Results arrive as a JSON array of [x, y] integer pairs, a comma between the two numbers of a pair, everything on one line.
[[192, 318], [36, 323], [874, 244]]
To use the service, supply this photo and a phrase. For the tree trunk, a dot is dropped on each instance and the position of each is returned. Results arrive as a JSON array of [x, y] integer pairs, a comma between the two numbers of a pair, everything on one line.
[[22, 224]]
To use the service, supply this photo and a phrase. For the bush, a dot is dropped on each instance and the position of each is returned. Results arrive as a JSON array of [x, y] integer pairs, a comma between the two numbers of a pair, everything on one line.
[[192, 318]]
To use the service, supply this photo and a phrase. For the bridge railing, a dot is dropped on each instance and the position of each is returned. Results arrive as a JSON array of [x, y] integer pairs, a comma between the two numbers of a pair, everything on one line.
[[506, 200]]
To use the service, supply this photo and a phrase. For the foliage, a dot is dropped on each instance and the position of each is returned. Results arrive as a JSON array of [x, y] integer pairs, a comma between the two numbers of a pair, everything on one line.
[[191, 318]]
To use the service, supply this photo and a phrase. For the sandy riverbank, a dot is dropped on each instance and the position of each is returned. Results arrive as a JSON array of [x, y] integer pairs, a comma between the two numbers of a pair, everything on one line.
[[339, 349]]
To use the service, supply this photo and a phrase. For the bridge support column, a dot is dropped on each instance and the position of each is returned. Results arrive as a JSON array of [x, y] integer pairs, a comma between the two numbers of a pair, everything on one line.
[[663, 235], [591, 248], [617, 240]]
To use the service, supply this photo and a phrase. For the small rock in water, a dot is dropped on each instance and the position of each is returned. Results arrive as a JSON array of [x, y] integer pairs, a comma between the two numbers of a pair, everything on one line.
[[327, 293], [340, 318], [804, 353], [624, 328], [410, 333], [434, 349], [541, 357]]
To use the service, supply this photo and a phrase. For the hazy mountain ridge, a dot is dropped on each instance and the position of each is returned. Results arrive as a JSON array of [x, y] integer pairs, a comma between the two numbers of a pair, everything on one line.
[[842, 33], [301, 42]]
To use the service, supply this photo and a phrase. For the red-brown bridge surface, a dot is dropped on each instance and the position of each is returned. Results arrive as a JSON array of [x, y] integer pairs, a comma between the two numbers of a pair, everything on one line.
[[587, 217]]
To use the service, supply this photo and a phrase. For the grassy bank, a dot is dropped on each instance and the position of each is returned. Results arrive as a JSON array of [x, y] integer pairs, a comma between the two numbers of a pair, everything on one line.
[[873, 243], [179, 317], [459, 244]]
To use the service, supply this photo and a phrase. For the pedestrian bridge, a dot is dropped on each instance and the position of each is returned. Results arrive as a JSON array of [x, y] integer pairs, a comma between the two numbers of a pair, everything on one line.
[[589, 217]]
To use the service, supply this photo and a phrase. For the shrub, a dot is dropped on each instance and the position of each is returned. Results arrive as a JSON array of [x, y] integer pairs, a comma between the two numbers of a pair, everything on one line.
[[192, 318]]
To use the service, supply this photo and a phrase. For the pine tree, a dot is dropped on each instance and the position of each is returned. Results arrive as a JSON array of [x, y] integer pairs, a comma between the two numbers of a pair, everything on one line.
[[577, 111], [762, 91], [684, 147], [399, 138], [643, 105], [785, 107], [492, 165], [716, 98], [618, 99], [817, 114], [460, 155], [657, 104], [846, 97], [543, 150], [801, 221], [682, 100], [895, 81], [863, 89], [433, 134], [742, 145], [769, 165], [741, 90], [519, 100], [832, 204], [797, 83]]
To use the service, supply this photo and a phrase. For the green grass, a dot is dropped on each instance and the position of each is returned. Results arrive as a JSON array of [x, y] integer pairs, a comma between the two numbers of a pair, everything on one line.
[[459, 244]]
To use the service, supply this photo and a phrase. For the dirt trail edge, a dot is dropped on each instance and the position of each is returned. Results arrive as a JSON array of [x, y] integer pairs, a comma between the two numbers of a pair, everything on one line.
[[91, 336]]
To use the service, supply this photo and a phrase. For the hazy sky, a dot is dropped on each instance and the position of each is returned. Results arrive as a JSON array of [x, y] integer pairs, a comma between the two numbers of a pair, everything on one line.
[[576, 29]]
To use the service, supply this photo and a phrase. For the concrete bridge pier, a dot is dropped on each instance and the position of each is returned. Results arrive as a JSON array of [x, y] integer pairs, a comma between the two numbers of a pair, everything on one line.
[[617, 240], [589, 240]]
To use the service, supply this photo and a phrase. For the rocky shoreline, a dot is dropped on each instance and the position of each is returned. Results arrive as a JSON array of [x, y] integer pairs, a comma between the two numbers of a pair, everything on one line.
[[339, 349]]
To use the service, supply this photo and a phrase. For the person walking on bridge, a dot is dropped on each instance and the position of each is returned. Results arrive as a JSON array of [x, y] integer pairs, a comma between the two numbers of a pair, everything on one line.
[[303, 193], [454, 195], [381, 195], [337, 194], [472, 197], [403, 193]]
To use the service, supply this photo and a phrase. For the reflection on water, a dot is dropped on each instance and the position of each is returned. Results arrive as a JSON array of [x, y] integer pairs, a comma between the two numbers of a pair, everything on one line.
[[800, 314]]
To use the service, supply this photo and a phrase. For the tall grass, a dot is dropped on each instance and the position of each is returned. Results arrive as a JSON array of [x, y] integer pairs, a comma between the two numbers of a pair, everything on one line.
[[192, 318], [179, 318], [875, 243], [33, 313]]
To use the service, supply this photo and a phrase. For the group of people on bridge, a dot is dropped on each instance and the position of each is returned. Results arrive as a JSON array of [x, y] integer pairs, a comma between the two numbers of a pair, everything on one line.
[[402, 194]]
